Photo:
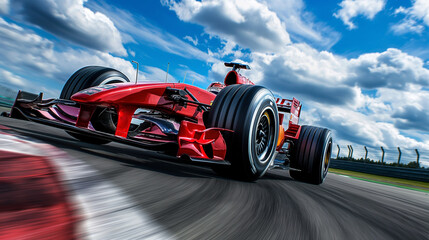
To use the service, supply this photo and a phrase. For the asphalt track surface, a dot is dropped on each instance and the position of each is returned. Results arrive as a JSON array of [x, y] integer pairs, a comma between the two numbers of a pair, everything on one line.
[[191, 202]]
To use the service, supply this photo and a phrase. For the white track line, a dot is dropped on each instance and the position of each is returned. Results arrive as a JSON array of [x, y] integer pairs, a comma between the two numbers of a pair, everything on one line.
[[105, 210]]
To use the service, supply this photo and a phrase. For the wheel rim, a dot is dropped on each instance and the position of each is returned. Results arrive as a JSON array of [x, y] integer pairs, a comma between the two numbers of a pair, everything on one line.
[[264, 136], [327, 157]]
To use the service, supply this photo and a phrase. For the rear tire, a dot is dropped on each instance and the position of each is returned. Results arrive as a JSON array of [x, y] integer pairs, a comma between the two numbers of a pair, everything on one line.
[[92, 76], [251, 112], [311, 153]]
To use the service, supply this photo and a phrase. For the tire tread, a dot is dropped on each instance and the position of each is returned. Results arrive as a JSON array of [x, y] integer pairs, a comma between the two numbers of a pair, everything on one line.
[[307, 154]]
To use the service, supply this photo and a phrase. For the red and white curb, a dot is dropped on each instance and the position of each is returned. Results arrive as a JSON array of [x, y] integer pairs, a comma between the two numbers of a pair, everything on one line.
[[104, 210]]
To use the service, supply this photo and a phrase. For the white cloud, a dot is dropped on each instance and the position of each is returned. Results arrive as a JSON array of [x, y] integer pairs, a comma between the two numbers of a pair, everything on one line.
[[392, 118], [306, 73], [352, 125], [70, 60], [410, 111], [10, 78], [420, 10], [190, 75], [406, 26], [325, 77], [36, 55], [131, 52], [247, 23], [154, 74], [352, 8], [411, 117], [301, 24], [4, 6], [217, 72], [392, 68], [415, 18], [190, 39], [227, 49], [40, 59], [73, 21], [362, 129], [146, 33]]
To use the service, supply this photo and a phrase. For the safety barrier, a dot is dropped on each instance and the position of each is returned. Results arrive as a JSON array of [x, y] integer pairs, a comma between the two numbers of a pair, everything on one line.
[[416, 174]]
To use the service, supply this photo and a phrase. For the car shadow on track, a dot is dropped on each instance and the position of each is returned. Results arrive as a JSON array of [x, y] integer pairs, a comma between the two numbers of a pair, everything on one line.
[[127, 155], [134, 157], [280, 175]]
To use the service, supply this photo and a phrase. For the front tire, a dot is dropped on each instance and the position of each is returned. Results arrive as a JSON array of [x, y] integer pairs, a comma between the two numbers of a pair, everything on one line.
[[251, 112], [311, 153], [92, 76]]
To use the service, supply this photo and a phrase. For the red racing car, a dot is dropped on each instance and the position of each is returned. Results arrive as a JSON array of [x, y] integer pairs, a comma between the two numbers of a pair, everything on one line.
[[235, 126]]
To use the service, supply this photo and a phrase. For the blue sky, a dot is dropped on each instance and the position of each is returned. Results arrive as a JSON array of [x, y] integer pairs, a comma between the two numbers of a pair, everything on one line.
[[360, 67]]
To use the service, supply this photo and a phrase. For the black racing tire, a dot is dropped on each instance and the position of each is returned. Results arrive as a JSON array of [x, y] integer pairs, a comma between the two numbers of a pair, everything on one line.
[[311, 153], [251, 112], [87, 77]]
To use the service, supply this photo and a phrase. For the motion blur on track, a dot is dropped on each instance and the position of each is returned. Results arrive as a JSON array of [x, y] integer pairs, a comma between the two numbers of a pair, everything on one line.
[[181, 201]]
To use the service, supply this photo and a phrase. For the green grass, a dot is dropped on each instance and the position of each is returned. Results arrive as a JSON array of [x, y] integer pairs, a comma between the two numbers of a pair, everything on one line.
[[4, 109], [397, 182]]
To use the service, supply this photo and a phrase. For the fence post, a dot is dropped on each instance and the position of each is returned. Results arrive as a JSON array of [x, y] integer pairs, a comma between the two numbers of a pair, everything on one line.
[[366, 152], [348, 155], [338, 153], [399, 156], [418, 157], [382, 154]]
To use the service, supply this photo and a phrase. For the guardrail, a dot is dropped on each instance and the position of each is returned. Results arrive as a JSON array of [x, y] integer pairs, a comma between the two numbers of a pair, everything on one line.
[[416, 174], [6, 105], [7, 98]]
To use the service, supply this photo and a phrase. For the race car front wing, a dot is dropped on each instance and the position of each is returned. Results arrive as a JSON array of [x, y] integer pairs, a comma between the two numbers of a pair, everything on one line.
[[193, 140]]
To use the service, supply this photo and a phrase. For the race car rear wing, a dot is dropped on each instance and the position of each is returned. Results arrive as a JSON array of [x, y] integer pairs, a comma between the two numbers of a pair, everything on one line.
[[236, 66], [294, 108], [290, 106]]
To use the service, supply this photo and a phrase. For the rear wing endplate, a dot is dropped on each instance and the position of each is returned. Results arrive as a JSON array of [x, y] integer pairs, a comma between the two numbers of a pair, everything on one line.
[[290, 106]]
